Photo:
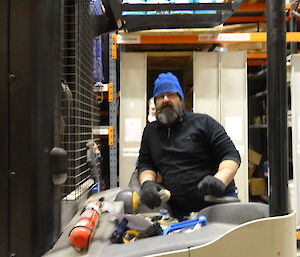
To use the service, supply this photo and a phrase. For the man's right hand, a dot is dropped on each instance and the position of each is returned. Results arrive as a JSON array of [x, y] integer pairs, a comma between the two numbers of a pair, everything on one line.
[[150, 195]]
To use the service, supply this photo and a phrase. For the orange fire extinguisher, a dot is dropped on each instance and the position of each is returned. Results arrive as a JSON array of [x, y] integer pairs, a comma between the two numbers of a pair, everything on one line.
[[82, 233]]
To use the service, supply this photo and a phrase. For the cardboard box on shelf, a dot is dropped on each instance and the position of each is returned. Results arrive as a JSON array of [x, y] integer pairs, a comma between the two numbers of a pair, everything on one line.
[[254, 159], [257, 186], [251, 169]]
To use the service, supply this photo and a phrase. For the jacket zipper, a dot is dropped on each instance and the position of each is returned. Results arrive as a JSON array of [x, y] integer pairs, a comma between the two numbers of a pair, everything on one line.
[[169, 132]]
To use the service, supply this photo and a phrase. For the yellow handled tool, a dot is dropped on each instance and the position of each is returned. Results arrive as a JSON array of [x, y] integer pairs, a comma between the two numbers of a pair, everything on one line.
[[131, 198]]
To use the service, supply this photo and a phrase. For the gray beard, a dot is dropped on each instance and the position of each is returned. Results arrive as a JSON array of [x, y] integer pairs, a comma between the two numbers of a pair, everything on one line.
[[168, 115]]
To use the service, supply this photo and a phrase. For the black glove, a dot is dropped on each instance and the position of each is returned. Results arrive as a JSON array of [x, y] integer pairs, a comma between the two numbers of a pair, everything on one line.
[[150, 195], [210, 185]]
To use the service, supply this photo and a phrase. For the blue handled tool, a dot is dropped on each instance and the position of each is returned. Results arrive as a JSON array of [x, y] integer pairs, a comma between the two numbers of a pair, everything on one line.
[[184, 224]]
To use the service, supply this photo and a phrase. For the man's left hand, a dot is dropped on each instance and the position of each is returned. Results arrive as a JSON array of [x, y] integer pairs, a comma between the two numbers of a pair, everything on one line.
[[210, 185]]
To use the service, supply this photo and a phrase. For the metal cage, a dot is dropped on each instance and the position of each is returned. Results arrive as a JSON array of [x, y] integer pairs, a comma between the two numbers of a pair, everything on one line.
[[79, 108]]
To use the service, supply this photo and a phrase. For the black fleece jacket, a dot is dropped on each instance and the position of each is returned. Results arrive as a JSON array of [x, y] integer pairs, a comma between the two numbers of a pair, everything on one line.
[[185, 153]]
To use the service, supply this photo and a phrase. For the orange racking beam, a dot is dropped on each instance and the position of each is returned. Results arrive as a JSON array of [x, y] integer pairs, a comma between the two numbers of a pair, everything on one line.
[[201, 38], [255, 8], [257, 55], [246, 19], [256, 59], [255, 62], [258, 7], [251, 7], [169, 39]]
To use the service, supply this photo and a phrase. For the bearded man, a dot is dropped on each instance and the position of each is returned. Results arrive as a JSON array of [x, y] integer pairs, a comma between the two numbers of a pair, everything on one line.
[[192, 153]]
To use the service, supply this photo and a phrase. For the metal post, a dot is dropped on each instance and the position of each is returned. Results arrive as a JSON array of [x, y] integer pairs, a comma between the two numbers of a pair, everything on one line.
[[293, 27], [113, 156], [277, 107], [4, 128], [34, 66]]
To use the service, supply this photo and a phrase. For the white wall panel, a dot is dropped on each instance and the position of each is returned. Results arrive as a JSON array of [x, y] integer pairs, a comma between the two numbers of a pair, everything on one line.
[[234, 115], [132, 111], [206, 84], [295, 96], [220, 90]]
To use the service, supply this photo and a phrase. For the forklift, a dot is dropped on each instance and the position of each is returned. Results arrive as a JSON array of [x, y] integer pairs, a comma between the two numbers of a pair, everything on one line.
[[30, 72]]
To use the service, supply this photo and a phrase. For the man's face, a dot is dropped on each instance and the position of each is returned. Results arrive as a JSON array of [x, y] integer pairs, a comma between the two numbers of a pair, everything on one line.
[[168, 107]]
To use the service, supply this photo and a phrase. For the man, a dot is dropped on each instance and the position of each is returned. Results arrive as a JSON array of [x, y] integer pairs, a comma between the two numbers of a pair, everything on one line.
[[192, 153], [151, 111]]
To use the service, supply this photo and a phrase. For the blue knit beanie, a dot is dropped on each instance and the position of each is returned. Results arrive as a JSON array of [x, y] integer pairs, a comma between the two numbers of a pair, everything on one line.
[[167, 82]]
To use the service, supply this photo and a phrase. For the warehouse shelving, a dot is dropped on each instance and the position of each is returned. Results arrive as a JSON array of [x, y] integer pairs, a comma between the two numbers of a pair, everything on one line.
[[190, 36]]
